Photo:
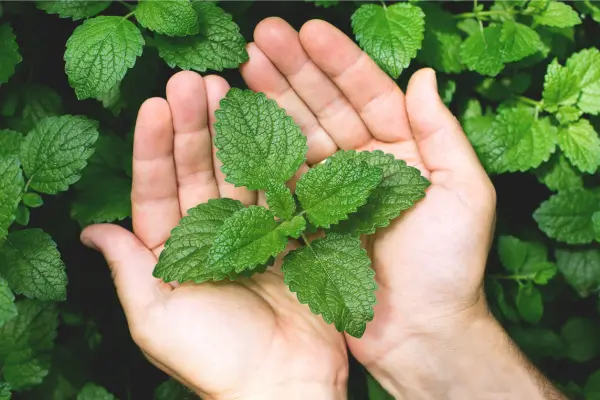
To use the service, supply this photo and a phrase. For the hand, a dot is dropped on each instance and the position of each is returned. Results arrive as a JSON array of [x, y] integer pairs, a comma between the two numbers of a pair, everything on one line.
[[243, 340]]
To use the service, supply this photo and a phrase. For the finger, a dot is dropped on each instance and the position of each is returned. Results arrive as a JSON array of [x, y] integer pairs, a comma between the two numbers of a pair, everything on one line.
[[155, 204], [280, 42], [216, 89], [131, 265], [186, 94], [374, 95], [261, 76], [444, 147]]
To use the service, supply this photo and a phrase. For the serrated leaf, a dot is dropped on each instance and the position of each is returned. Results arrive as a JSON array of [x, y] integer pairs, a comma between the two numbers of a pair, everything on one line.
[[567, 114], [518, 41], [560, 87], [558, 174], [171, 18], [258, 143], [25, 342], [332, 190], [441, 41], [559, 15], [249, 238], [567, 216], [517, 255], [75, 9], [400, 187], [391, 35], [5, 393], [92, 391], [99, 53], [530, 304], [9, 52], [10, 142], [581, 338], [496, 290], [585, 66], [280, 201], [108, 200], [596, 224], [581, 145], [185, 255], [32, 265], [581, 269], [333, 276], [11, 186], [218, 45], [8, 309], [33, 103], [56, 151], [516, 141]]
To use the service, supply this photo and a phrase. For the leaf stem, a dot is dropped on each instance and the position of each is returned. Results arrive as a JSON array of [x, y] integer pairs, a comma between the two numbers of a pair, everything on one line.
[[129, 15], [511, 277], [129, 6], [531, 102], [305, 240]]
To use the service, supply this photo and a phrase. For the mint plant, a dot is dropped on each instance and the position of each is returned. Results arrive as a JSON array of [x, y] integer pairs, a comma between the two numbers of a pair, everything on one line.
[[351, 193]]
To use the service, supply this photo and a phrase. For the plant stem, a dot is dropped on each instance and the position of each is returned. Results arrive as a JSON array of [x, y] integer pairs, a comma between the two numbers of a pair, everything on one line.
[[305, 240], [531, 102], [481, 14], [129, 15], [129, 6], [511, 277]]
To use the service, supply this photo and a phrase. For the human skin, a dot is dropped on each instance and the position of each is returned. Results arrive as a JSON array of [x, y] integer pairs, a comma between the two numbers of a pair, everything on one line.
[[432, 336]]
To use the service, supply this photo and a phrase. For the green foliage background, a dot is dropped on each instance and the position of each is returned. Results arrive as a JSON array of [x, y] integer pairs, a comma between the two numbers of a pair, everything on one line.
[[522, 76]]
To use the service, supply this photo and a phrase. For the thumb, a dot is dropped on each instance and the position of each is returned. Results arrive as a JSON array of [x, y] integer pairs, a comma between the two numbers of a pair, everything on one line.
[[439, 136], [131, 265]]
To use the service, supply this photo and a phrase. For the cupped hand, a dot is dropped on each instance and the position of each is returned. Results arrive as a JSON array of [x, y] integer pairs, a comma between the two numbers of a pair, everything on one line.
[[429, 262], [246, 339]]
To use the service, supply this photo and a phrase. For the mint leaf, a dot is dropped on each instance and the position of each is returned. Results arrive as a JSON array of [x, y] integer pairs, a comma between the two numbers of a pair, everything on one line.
[[172, 18], [185, 256], [25, 342], [517, 141], [259, 144], [9, 52], [530, 304], [567, 216], [581, 269], [217, 46], [172, 390], [249, 238], [10, 142], [8, 309], [281, 201], [559, 15], [22, 215], [5, 391], [99, 53], [75, 9], [441, 41], [558, 174], [92, 391], [32, 265], [581, 338], [107, 201], [581, 145], [333, 276], [391, 35], [400, 187], [539, 342], [332, 190], [585, 66], [560, 87], [33, 200], [56, 151], [376, 391], [11, 186], [592, 386], [567, 114], [517, 255], [33, 103]]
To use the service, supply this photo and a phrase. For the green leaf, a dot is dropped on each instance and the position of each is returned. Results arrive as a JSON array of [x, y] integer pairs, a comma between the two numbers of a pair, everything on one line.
[[11, 186], [9, 52], [185, 255], [56, 151], [567, 216], [33, 200], [172, 390], [441, 41], [92, 391], [538, 342], [281, 201], [249, 238], [333, 276], [391, 35], [559, 15], [99, 53], [217, 46], [560, 87], [558, 174], [33, 103], [581, 145], [32, 265], [107, 201], [581, 337], [540, 273], [585, 66], [10, 142], [592, 386], [528, 260], [376, 391], [259, 145], [400, 187], [172, 18], [8, 309], [75, 9], [332, 190], [516, 141], [567, 114], [530, 304], [22, 215], [596, 224], [496, 292], [5, 391], [581, 269], [25, 342]]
